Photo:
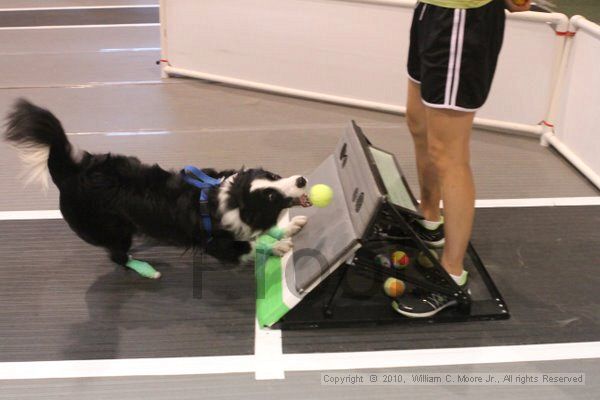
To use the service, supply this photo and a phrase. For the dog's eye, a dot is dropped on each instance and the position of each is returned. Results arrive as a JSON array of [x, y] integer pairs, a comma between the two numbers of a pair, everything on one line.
[[271, 197], [273, 177]]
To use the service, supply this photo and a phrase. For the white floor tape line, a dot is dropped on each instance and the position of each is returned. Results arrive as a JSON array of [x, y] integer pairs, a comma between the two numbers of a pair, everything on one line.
[[484, 203], [268, 353], [26, 215], [126, 367], [23, 28], [298, 362], [538, 202]]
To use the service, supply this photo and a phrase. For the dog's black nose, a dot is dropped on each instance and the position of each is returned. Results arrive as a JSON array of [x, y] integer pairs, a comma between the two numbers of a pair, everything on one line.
[[301, 182]]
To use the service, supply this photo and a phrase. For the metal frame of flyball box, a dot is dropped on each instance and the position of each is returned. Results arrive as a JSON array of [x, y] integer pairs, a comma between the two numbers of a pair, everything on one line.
[[320, 309]]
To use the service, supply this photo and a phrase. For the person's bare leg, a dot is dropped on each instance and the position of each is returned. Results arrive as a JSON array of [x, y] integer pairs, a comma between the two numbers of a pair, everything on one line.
[[416, 118], [448, 138]]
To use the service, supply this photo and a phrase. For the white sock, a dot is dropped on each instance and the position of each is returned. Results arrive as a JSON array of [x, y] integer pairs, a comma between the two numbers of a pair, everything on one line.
[[431, 225], [460, 279]]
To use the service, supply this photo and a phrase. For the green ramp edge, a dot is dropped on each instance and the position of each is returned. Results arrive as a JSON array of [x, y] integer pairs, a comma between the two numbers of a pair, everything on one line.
[[269, 291]]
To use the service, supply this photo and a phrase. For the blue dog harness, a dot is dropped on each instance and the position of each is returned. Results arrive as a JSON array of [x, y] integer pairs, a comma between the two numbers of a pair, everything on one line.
[[196, 177]]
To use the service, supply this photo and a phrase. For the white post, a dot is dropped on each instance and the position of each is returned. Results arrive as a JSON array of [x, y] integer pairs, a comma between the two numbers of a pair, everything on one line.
[[163, 38], [548, 127]]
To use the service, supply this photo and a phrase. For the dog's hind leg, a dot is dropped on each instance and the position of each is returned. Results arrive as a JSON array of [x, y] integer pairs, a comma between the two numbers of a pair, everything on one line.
[[119, 254], [111, 233], [119, 249]]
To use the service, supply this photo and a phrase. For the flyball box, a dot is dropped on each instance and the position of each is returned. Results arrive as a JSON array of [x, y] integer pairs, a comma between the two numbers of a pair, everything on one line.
[[334, 275]]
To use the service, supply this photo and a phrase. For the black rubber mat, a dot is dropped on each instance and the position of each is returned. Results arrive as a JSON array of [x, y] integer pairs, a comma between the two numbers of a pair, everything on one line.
[[545, 263], [63, 299], [106, 16]]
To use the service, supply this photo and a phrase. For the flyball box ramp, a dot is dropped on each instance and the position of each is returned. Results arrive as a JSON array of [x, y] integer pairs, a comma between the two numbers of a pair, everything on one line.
[[334, 275]]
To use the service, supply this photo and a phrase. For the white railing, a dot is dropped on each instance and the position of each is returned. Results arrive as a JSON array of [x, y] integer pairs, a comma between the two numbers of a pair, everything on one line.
[[354, 52], [574, 115]]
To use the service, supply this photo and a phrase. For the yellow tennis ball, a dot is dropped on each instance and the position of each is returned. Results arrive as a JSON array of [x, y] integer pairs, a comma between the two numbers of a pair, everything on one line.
[[519, 2], [320, 195], [394, 287], [400, 259]]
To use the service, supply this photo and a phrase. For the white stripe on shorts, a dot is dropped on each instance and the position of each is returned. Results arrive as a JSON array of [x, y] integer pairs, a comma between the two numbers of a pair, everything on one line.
[[423, 12], [452, 57], [461, 37]]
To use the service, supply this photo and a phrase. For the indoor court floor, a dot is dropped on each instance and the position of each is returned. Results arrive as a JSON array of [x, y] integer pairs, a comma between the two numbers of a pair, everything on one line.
[[64, 305]]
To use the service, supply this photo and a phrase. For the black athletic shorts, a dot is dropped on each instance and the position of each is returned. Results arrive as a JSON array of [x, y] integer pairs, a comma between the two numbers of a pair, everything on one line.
[[453, 53]]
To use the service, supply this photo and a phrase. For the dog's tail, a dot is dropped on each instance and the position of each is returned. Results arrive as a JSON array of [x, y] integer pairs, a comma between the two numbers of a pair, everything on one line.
[[41, 141]]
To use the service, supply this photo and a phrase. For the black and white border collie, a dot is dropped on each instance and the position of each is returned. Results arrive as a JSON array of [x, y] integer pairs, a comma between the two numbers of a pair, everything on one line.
[[108, 199]]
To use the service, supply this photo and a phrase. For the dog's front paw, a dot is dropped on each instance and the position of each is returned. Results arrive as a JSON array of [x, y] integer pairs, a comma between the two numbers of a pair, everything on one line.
[[282, 247], [295, 225]]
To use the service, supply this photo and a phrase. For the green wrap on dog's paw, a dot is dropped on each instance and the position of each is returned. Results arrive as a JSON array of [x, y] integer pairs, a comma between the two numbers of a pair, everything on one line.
[[143, 268], [264, 244], [276, 232]]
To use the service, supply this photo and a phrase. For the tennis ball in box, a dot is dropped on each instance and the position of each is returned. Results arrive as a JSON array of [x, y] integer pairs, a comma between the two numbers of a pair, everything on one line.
[[383, 261], [320, 195], [394, 287], [400, 259], [519, 2], [424, 261]]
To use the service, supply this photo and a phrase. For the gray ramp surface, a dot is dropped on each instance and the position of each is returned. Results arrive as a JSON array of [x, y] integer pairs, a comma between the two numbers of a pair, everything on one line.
[[328, 236]]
